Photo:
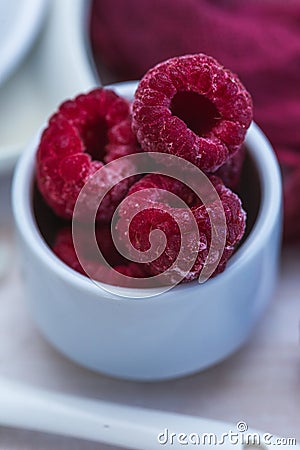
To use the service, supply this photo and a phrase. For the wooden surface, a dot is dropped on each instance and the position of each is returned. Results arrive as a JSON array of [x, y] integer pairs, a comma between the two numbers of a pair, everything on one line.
[[260, 384]]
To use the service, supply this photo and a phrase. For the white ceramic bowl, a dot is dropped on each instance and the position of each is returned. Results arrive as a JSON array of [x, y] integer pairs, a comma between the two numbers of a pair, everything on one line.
[[59, 67], [20, 23], [176, 333]]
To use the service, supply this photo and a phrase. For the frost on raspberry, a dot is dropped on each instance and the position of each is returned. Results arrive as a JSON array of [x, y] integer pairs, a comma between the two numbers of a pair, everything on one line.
[[82, 136], [152, 215], [89, 264], [192, 107]]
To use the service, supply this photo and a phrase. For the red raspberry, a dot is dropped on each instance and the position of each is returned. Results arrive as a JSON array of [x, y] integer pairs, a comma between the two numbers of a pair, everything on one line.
[[192, 107], [64, 248], [84, 134], [153, 215], [231, 171]]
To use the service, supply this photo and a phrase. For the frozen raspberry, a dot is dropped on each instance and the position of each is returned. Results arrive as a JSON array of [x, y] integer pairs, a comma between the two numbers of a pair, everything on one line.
[[64, 248], [192, 107], [132, 269], [230, 172], [150, 214], [64, 241], [81, 137]]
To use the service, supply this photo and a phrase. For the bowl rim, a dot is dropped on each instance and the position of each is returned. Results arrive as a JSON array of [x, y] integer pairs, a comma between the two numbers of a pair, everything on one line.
[[269, 175]]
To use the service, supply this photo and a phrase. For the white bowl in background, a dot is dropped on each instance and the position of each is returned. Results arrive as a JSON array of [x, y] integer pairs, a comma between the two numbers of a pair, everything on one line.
[[176, 333], [58, 67], [66, 66], [20, 23]]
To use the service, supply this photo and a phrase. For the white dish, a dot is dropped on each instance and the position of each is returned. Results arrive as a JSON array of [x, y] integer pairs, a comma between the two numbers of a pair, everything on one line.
[[19, 25], [22, 111], [58, 68]]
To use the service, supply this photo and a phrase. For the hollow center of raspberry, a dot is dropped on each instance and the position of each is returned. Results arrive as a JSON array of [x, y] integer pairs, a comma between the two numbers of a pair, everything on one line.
[[198, 112], [94, 136]]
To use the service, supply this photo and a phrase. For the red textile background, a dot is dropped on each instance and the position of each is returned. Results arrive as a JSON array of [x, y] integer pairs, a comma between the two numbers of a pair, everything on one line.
[[257, 39]]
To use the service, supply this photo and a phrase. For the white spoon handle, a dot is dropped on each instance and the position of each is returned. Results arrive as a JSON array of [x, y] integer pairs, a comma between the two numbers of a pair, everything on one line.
[[128, 427]]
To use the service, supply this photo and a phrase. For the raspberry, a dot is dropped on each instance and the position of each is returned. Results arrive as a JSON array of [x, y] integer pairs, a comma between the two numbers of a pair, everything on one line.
[[64, 248], [192, 107], [231, 171], [83, 135], [153, 215]]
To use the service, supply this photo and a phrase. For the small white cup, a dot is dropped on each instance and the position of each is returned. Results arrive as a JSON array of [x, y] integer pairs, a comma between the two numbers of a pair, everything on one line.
[[176, 333]]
